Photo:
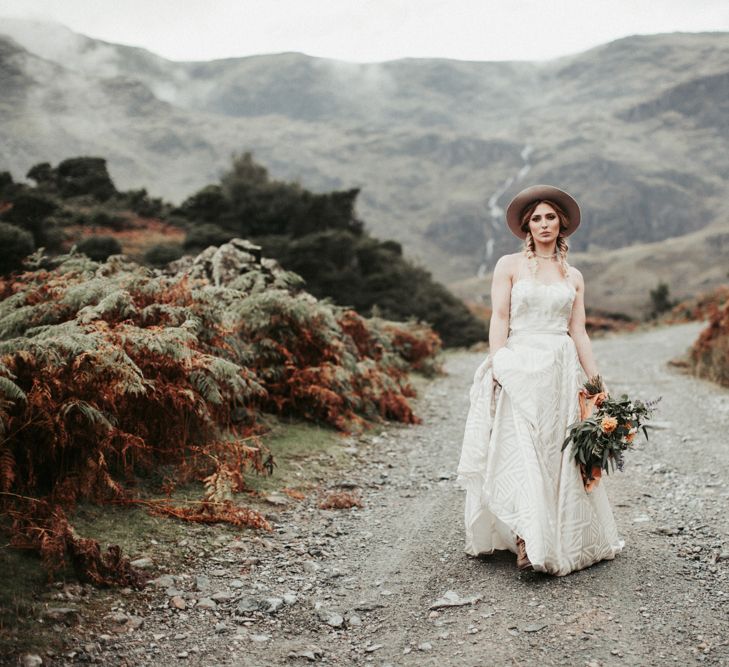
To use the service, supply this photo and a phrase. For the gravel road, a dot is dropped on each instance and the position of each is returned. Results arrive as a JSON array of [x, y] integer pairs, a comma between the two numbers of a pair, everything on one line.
[[357, 587]]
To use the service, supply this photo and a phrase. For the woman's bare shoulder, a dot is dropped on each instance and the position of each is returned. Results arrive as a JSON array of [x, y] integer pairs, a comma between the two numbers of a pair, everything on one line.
[[575, 275], [507, 263]]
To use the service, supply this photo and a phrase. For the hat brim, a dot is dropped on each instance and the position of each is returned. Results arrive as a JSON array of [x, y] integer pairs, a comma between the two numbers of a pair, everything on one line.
[[529, 195]]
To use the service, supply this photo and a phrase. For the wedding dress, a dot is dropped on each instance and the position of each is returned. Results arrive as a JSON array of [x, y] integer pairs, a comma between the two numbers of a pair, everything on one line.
[[517, 480]]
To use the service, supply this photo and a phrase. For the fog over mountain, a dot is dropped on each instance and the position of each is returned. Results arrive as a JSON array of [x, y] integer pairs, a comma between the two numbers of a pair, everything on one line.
[[636, 129]]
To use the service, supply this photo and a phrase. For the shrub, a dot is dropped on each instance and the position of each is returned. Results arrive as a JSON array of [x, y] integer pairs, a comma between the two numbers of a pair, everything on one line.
[[99, 248], [202, 236], [709, 355], [161, 254], [110, 370], [659, 300], [15, 244], [84, 176]]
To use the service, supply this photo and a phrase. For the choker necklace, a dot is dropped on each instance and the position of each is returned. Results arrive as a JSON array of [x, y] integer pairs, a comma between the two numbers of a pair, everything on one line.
[[546, 256]]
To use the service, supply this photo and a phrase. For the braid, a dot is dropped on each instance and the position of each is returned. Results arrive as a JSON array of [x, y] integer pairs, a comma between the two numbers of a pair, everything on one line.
[[562, 250], [530, 254]]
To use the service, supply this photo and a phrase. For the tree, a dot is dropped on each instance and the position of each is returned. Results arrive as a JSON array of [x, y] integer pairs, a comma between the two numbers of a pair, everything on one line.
[[202, 236], [85, 176], [660, 300], [99, 248], [15, 245], [161, 254]]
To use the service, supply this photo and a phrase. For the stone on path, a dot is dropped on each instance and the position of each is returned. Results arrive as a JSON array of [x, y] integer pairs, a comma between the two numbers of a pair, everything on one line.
[[452, 599], [310, 651], [176, 602], [535, 627]]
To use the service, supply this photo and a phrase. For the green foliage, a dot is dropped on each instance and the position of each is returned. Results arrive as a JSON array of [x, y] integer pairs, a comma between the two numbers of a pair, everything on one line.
[[201, 236], [99, 248], [84, 176], [660, 300], [161, 254], [15, 244], [6, 181], [35, 213], [319, 237]]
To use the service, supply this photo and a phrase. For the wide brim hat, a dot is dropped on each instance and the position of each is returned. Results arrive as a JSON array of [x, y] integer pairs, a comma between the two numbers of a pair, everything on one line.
[[529, 195]]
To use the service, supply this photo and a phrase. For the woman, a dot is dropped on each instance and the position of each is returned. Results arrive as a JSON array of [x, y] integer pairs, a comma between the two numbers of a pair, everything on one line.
[[523, 493]]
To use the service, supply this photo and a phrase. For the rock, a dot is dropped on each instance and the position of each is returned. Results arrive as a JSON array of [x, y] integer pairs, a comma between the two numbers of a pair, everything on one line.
[[452, 599], [220, 627], [289, 598], [31, 660], [65, 615], [236, 583], [219, 572], [332, 618], [311, 566], [310, 651], [135, 622], [207, 603], [373, 647], [163, 581], [367, 605], [118, 617], [534, 627], [247, 604], [667, 530], [425, 646], [724, 555], [222, 596], [202, 583], [272, 605], [276, 499], [143, 563], [260, 638], [354, 620], [176, 602], [182, 655]]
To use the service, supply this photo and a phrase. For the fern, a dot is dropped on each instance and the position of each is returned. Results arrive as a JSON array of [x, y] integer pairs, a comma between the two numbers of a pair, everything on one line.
[[11, 391]]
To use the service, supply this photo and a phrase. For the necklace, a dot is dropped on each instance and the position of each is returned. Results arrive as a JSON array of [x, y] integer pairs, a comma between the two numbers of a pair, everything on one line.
[[546, 256]]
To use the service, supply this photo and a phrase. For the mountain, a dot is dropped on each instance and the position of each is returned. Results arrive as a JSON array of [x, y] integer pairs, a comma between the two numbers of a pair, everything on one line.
[[636, 129]]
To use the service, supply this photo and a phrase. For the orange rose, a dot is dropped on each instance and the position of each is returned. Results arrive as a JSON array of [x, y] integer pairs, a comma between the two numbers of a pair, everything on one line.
[[629, 437], [608, 424]]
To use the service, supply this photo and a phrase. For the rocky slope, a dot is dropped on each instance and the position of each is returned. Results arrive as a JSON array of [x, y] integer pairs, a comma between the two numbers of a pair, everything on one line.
[[635, 129]]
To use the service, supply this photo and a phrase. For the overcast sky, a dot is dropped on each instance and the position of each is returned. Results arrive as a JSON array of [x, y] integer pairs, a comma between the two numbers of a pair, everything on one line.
[[373, 30]]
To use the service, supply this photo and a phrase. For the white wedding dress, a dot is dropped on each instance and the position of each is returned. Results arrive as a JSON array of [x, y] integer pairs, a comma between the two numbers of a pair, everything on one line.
[[517, 479]]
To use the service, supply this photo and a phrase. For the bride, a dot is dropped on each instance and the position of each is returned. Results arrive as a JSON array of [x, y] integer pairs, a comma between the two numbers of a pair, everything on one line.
[[523, 493]]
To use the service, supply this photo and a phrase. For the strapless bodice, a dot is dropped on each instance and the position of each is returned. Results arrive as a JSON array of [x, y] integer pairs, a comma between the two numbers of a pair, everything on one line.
[[538, 307]]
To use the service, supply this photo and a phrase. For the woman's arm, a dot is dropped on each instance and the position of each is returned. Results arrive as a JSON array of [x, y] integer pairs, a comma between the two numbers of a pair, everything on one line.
[[500, 304], [577, 329]]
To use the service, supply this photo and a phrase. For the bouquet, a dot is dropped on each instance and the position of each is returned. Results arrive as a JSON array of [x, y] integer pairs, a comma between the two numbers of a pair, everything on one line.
[[599, 439]]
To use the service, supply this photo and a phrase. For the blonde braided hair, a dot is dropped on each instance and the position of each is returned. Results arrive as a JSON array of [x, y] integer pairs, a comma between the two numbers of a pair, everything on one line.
[[529, 248]]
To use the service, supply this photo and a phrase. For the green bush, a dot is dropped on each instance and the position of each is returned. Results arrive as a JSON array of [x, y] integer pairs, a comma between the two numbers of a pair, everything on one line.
[[99, 248], [84, 176], [161, 254], [15, 244], [201, 236]]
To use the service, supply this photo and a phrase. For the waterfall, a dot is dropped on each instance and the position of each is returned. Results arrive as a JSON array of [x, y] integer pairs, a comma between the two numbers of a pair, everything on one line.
[[496, 213]]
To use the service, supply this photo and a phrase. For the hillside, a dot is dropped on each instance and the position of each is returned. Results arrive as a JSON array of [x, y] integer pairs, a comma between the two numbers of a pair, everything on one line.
[[635, 129]]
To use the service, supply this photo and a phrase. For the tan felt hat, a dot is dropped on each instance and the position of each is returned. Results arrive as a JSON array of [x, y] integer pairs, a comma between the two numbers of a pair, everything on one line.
[[536, 193]]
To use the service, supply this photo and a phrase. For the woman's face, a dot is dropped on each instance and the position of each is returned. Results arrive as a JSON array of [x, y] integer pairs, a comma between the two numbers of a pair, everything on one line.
[[544, 223]]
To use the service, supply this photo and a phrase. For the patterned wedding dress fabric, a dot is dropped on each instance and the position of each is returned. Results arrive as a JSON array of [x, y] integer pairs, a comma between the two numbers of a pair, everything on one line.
[[517, 479]]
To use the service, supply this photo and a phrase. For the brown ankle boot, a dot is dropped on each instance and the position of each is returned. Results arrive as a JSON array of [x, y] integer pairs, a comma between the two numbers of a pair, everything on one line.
[[522, 561]]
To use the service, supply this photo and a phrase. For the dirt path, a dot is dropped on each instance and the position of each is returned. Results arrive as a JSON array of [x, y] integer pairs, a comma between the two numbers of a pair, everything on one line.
[[354, 587]]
